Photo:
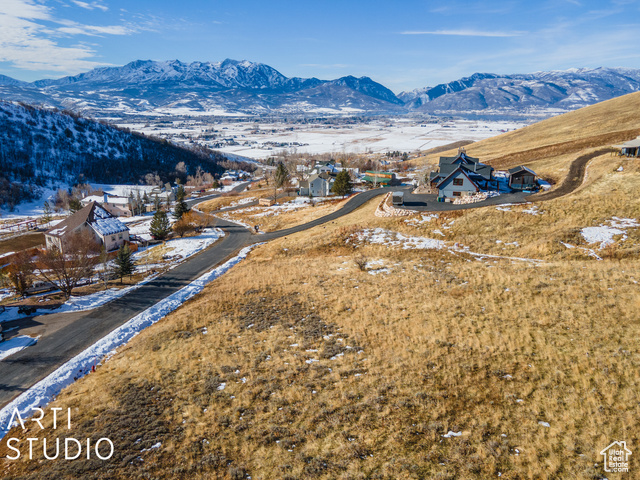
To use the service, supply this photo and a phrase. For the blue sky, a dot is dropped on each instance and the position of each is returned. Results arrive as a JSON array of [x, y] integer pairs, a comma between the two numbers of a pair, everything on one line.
[[404, 44]]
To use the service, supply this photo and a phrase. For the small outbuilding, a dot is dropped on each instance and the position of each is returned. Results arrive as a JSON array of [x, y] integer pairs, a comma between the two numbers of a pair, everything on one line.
[[397, 198], [522, 178], [630, 148]]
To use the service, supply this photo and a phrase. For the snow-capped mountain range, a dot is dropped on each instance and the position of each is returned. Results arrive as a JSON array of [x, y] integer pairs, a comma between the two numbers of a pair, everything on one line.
[[231, 87], [526, 93], [228, 87]]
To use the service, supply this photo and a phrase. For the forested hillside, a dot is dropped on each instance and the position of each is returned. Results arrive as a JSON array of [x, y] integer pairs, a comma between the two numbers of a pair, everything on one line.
[[41, 148]]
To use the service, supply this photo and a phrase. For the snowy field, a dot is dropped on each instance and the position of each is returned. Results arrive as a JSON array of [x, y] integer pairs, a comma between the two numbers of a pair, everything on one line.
[[261, 140]]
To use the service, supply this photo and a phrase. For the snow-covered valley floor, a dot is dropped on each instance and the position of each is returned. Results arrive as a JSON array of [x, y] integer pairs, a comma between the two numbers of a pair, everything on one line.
[[262, 140]]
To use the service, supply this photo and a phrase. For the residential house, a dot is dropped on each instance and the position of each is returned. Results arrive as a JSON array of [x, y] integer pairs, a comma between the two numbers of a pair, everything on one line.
[[522, 178], [318, 185], [107, 229], [330, 167], [461, 175]]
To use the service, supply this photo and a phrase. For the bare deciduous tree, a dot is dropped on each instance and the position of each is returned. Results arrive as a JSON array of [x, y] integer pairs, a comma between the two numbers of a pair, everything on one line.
[[20, 272], [77, 261]]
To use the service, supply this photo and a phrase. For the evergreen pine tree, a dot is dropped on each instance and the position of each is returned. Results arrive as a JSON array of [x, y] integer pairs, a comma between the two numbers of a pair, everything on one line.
[[124, 262], [160, 227], [280, 178], [181, 206], [46, 213], [342, 184], [74, 205]]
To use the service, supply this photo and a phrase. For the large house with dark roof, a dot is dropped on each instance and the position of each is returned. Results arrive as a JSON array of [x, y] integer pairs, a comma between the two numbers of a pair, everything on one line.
[[107, 229], [461, 175]]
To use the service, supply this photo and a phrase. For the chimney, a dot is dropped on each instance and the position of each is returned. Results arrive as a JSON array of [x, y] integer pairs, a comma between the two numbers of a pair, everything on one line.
[[105, 198]]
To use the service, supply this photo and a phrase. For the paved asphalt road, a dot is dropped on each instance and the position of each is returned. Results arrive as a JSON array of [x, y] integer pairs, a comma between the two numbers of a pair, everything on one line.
[[65, 335]]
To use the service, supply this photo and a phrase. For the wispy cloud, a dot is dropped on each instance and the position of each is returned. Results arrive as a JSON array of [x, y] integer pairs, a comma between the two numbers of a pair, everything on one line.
[[90, 6], [465, 33], [33, 37]]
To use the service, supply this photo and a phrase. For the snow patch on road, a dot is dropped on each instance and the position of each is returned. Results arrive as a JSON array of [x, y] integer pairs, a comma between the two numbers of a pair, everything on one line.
[[15, 344]]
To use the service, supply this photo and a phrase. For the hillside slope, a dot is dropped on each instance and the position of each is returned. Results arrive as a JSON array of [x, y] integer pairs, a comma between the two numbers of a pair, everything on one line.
[[563, 137], [43, 148]]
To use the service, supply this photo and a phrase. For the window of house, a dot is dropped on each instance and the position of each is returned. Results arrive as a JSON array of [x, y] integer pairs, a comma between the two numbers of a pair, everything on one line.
[[120, 236], [457, 181], [113, 238], [457, 194]]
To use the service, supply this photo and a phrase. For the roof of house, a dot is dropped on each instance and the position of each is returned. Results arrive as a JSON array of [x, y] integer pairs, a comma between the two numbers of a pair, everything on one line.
[[93, 215], [521, 168], [462, 156], [113, 199], [471, 164], [452, 174], [324, 176], [635, 143]]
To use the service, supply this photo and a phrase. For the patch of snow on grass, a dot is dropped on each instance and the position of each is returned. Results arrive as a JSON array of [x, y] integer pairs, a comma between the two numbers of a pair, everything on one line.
[[604, 233], [533, 210], [395, 239], [424, 219]]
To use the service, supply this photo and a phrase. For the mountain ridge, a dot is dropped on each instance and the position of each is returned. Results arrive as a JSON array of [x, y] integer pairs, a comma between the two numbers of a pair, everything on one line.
[[231, 87]]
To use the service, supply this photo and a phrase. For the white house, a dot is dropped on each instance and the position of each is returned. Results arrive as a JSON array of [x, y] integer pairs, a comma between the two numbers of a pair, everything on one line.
[[107, 229], [318, 185]]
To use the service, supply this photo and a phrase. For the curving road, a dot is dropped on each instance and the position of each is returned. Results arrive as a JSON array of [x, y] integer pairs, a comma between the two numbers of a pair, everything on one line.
[[64, 335]]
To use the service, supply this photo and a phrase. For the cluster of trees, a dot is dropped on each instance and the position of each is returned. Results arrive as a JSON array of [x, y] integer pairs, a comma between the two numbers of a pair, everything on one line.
[[67, 268], [402, 155]]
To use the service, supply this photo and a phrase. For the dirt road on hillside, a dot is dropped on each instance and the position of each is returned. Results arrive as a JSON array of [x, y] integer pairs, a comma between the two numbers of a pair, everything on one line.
[[573, 180]]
